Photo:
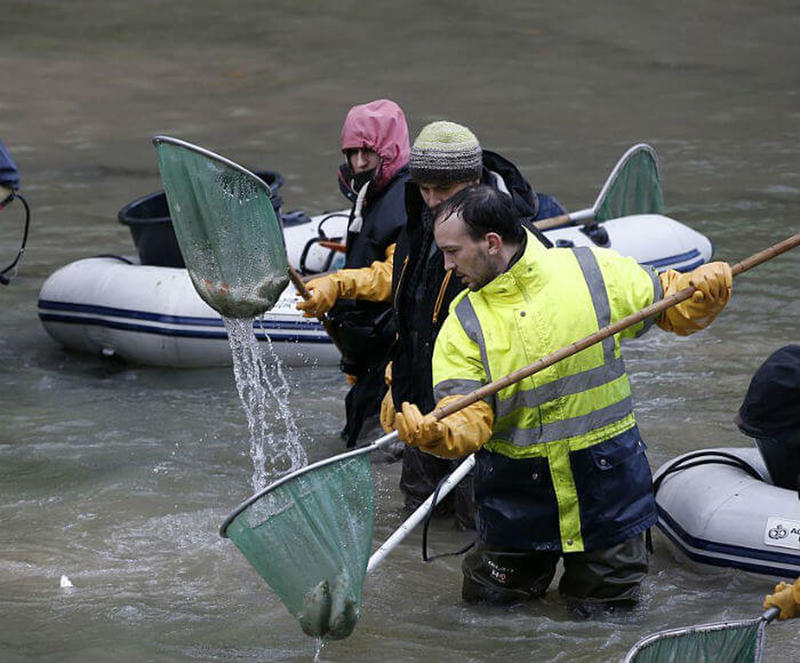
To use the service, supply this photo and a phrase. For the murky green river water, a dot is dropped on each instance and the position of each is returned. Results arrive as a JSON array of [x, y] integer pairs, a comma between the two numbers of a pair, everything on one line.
[[120, 476]]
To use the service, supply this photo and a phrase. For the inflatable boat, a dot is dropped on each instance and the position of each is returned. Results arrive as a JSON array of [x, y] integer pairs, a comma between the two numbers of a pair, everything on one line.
[[720, 507], [144, 310]]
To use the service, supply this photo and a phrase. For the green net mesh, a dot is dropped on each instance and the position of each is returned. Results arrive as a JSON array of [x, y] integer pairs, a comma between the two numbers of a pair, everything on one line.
[[226, 228], [635, 188], [731, 642], [310, 539]]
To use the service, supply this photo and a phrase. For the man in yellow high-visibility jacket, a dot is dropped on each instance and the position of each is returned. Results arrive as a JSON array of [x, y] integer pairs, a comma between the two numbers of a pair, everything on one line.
[[561, 470]]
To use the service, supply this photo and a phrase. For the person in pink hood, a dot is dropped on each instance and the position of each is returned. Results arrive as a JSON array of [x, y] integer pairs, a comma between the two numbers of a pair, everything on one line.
[[373, 178], [375, 144]]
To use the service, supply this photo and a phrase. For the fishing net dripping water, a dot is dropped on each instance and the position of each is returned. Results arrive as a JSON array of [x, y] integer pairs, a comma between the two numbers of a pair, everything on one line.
[[275, 445], [309, 536]]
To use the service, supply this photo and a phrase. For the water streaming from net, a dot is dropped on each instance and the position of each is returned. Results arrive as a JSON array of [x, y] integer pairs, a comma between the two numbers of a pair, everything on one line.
[[264, 393]]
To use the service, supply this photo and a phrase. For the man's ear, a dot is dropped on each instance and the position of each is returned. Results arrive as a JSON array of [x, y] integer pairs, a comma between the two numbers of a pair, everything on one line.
[[495, 243]]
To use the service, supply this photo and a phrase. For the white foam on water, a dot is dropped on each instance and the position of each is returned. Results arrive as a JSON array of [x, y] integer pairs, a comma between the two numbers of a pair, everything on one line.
[[264, 394]]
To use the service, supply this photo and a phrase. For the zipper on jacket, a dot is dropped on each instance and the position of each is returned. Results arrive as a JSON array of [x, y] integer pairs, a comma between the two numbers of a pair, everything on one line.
[[400, 283], [439, 299]]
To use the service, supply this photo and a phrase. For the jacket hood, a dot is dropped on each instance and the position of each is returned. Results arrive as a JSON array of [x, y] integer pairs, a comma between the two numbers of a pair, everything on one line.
[[381, 127]]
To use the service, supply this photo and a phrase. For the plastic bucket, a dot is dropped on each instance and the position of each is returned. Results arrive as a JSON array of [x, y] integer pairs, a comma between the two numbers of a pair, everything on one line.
[[151, 226]]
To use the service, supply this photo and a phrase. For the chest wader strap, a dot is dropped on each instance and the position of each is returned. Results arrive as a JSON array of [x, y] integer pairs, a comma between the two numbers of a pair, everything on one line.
[[427, 522]]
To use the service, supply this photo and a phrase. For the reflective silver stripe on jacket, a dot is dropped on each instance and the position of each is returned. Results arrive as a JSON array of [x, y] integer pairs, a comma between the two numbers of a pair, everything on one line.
[[566, 386], [612, 368], [468, 319], [472, 328], [455, 388], [559, 430], [597, 289], [658, 295]]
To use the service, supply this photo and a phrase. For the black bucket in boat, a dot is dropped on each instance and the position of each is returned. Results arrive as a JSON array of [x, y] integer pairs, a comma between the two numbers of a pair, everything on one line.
[[151, 226]]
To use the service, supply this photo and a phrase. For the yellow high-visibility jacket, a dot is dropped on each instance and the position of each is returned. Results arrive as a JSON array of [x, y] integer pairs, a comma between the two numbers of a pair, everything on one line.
[[564, 468]]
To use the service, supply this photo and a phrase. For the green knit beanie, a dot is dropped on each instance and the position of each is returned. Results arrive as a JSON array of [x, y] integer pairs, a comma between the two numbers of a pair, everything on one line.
[[445, 153]]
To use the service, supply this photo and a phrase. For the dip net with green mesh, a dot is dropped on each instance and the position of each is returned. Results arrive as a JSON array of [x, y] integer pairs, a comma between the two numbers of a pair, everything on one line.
[[309, 536], [724, 642], [634, 186], [229, 236]]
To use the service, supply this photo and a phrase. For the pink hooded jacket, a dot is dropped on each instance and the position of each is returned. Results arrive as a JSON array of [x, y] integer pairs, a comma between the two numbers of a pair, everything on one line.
[[380, 126]]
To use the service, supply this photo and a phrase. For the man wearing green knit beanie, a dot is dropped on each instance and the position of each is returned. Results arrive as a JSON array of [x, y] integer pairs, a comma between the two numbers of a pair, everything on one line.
[[445, 158], [445, 154]]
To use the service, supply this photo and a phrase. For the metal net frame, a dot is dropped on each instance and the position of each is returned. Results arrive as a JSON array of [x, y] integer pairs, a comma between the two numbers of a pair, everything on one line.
[[739, 641]]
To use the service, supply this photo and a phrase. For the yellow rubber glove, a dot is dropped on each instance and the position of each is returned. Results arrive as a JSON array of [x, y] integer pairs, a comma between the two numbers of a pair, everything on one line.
[[713, 283], [387, 412], [373, 284], [458, 434], [787, 598], [324, 293]]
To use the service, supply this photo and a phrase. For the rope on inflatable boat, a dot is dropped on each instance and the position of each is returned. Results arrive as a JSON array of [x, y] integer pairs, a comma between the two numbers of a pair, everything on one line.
[[705, 458]]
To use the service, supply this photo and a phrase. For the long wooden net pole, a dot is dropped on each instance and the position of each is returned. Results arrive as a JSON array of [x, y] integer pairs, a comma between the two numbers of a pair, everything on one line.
[[647, 312]]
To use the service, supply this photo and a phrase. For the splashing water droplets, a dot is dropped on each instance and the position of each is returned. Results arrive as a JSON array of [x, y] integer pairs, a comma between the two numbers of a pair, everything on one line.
[[319, 644], [264, 394]]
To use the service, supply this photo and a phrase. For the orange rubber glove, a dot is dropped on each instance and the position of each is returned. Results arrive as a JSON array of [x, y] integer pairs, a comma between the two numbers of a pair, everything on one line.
[[458, 434], [324, 293], [387, 404], [787, 598], [713, 283], [387, 412], [373, 283], [350, 379]]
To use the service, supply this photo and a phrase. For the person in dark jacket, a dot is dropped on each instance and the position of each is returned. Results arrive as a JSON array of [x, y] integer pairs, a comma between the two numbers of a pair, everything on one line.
[[373, 177], [445, 158]]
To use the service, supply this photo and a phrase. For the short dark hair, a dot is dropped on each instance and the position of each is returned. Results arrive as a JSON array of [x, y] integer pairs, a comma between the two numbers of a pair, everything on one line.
[[484, 209]]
